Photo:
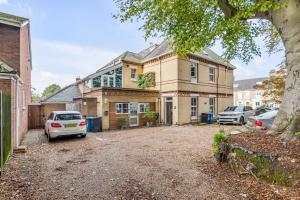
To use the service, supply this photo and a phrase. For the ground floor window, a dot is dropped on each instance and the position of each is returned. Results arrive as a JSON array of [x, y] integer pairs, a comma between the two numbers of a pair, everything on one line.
[[257, 103], [143, 107], [194, 107], [212, 104], [122, 108]]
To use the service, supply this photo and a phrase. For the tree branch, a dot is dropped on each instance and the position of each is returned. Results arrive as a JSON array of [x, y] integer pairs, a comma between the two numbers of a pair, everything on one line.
[[230, 11]]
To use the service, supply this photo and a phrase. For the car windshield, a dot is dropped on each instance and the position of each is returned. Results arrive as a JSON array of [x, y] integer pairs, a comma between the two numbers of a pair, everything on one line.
[[234, 108], [68, 116], [261, 111]]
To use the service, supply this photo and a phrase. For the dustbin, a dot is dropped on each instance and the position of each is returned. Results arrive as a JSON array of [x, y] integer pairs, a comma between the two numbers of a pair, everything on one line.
[[207, 118], [94, 124]]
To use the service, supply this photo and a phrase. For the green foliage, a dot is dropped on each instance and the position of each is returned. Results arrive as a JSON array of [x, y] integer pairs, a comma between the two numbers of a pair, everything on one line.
[[264, 168], [218, 138], [273, 88], [35, 97], [51, 89], [193, 25], [150, 115], [146, 80], [122, 120], [297, 134]]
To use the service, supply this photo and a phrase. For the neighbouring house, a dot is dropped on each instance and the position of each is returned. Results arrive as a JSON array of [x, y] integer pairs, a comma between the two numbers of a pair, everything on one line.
[[245, 93], [179, 90], [15, 71], [61, 100]]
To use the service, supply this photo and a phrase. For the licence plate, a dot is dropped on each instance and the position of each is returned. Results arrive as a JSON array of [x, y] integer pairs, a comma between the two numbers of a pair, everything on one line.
[[70, 125]]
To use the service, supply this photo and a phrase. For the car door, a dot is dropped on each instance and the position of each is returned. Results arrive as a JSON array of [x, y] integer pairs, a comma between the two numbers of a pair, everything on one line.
[[248, 112]]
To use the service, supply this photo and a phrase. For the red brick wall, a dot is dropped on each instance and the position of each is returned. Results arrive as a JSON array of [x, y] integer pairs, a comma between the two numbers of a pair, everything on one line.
[[25, 74], [113, 117], [10, 46]]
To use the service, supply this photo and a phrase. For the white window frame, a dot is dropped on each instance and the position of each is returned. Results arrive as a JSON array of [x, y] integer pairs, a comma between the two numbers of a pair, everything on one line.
[[194, 117], [195, 66], [135, 74], [212, 74], [213, 106], [108, 80], [122, 108], [146, 107]]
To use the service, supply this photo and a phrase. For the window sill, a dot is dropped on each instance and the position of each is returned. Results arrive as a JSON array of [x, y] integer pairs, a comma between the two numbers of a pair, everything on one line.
[[133, 79]]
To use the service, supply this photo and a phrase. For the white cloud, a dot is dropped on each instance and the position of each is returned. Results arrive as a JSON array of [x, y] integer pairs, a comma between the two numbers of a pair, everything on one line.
[[3, 1], [243, 73], [60, 62]]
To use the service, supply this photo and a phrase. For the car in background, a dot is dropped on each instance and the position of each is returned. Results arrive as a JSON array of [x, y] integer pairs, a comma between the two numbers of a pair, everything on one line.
[[263, 121], [235, 115], [63, 123]]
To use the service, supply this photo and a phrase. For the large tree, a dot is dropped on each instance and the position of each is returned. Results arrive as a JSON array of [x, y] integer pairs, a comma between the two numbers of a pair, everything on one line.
[[51, 89], [273, 87], [194, 24]]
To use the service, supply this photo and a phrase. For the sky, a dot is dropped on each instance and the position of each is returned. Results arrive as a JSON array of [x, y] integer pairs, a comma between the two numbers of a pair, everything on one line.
[[72, 38]]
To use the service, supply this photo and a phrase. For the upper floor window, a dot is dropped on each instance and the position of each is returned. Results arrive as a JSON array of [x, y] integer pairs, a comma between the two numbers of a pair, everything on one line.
[[212, 74], [247, 95], [133, 73], [240, 95], [194, 72], [258, 93]]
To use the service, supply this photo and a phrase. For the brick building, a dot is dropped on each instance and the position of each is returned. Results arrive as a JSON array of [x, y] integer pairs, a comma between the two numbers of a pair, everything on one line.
[[15, 70]]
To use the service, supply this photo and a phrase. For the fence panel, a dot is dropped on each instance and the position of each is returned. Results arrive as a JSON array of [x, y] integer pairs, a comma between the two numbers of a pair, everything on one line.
[[5, 128]]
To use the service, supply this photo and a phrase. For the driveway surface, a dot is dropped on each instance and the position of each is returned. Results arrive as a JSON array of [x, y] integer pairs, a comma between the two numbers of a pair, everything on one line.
[[147, 163]]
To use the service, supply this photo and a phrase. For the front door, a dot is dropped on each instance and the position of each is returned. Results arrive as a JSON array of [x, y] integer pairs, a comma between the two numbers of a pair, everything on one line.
[[169, 111], [133, 115]]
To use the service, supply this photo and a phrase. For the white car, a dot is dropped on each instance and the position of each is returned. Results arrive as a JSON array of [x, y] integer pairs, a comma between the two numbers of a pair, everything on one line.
[[62, 123], [235, 115]]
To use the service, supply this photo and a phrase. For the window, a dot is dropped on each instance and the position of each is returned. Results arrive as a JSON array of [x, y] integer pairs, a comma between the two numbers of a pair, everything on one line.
[[212, 103], [105, 81], [66, 117], [194, 107], [247, 95], [257, 103], [97, 82], [240, 95], [194, 72], [212, 74], [258, 94], [133, 74], [143, 107], [118, 77], [122, 108]]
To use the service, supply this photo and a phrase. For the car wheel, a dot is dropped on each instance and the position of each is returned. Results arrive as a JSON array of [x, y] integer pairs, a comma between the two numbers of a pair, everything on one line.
[[242, 121], [83, 135], [50, 139]]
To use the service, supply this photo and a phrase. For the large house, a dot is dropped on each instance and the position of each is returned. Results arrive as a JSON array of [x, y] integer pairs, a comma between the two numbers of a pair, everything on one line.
[[15, 71], [245, 93], [181, 89]]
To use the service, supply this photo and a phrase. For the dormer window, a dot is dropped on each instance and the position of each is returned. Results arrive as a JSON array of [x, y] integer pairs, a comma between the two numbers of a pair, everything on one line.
[[133, 74]]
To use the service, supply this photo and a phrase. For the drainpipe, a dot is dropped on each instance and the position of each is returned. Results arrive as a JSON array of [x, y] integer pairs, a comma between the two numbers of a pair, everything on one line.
[[160, 90], [218, 89]]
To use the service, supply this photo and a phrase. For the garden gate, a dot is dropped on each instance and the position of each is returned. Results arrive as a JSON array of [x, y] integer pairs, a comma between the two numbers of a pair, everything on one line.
[[5, 128]]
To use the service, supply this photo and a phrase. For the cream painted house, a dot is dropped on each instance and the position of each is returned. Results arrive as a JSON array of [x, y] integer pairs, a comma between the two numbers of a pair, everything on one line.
[[245, 93], [184, 87]]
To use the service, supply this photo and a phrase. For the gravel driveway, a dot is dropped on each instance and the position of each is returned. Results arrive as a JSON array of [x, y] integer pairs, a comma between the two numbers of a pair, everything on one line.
[[147, 163]]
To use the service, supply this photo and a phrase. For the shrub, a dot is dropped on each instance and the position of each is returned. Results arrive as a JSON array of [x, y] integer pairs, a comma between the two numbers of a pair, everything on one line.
[[122, 120], [219, 137], [150, 115]]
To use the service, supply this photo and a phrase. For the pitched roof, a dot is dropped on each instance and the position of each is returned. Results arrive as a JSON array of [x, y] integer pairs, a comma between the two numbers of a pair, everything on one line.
[[153, 52], [12, 20], [65, 95], [247, 84]]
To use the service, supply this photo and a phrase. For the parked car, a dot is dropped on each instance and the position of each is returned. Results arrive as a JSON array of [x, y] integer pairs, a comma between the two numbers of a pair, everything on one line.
[[63, 123], [235, 115], [263, 121]]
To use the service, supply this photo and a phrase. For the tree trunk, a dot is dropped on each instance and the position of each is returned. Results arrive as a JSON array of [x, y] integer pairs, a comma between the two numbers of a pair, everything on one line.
[[287, 22]]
